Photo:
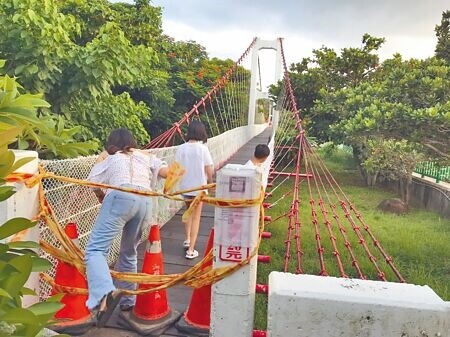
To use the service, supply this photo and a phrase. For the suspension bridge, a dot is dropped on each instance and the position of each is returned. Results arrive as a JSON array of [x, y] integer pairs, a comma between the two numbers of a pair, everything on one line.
[[318, 206]]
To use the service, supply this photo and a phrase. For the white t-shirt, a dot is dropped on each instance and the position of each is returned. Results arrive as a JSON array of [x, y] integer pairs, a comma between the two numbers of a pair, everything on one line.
[[193, 157], [250, 164]]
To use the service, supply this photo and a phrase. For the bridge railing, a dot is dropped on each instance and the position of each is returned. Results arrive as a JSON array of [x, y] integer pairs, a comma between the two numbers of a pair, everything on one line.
[[77, 204], [434, 170]]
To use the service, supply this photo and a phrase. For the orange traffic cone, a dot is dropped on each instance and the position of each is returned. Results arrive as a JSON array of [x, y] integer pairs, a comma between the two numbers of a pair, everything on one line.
[[75, 316], [196, 319], [151, 314]]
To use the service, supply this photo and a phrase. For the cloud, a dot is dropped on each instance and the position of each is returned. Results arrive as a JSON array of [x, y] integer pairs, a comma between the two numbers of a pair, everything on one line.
[[317, 18], [226, 28], [408, 27]]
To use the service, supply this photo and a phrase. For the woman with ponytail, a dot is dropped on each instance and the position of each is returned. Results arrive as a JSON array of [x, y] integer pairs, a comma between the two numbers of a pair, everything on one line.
[[125, 166]]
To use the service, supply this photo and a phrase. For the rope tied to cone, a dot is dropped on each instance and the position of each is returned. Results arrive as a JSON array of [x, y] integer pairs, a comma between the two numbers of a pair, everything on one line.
[[197, 276]]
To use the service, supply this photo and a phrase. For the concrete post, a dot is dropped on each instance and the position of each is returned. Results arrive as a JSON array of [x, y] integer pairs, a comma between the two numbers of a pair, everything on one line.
[[278, 63], [308, 305], [24, 203], [253, 84], [278, 77], [261, 44], [236, 235]]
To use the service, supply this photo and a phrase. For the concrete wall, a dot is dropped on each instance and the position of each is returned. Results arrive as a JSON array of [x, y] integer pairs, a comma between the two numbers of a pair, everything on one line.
[[432, 196], [426, 193], [307, 305]]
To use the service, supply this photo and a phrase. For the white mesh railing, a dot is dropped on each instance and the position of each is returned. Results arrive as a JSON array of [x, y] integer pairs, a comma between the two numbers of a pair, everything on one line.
[[78, 204]]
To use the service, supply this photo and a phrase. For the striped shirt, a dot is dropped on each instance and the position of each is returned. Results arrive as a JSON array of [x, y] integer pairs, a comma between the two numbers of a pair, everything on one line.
[[138, 168]]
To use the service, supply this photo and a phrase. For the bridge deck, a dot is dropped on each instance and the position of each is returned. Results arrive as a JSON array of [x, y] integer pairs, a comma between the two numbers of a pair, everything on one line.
[[172, 236]]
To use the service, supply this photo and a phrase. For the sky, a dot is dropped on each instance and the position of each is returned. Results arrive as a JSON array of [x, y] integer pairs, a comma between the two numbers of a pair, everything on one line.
[[226, 27]]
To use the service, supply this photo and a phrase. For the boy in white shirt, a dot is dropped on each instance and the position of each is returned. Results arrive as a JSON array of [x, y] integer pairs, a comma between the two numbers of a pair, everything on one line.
[[260, 155]]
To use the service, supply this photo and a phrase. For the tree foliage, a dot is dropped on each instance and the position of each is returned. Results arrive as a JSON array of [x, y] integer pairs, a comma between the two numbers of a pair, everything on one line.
[[326, 72], [93, 58], [391, 113], [42, 132], [392, 159], [443, 36], [404, 100], [18, 122]]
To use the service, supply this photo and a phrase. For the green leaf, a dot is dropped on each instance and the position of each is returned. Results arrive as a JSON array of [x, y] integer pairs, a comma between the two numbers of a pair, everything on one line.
[[55, 298], [27, 291], [24, 244], [16, 280], [4, 293], [2, 63], [45, 308], [6, 192], [7, 161], [19, 163], [20, 315], [3, 248], [14, 226], [33, 69], [40, 264], [8, 136], [23, 144]]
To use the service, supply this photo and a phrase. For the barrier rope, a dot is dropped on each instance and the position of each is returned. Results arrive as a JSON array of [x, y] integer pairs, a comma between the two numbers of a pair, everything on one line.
[[199, 275]]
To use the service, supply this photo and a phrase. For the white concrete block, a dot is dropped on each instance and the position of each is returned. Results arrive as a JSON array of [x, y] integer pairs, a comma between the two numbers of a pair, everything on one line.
[[307, 305], [24, 203], [235, 236]]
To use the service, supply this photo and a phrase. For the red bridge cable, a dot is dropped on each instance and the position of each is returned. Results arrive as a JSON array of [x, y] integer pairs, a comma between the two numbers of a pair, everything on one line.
[[356, 229], [376, 243], [294, 216], [340, 227], [327, 222], [219, 85], [381, 275]]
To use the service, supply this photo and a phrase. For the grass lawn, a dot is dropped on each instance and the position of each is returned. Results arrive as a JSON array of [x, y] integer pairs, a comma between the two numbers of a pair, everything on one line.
[[418, 242]]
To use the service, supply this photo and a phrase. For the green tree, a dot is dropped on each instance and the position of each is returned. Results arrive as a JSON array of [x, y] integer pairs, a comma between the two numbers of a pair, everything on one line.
[[80, 56], [403, 101], [41, 132], [18, 121], [394, 160], [443, 36], [327, 72]]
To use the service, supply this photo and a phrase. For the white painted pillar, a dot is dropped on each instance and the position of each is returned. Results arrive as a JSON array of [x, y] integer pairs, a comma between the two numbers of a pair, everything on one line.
[[275, 120], [254, 74], [253, 96], [235, 236], [278, 63], [24, 203], [307, 305], [278, 77]]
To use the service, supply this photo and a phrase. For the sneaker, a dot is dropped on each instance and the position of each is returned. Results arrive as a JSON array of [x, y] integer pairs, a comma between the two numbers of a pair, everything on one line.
[[191, 255], [126, 307], [186, 243]]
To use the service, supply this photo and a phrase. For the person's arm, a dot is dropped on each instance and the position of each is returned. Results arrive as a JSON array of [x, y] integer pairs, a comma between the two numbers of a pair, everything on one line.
[[99, 194], [99, 174], [101, 157], [209, 165], [163, 171], [158, 167], [209, 170]]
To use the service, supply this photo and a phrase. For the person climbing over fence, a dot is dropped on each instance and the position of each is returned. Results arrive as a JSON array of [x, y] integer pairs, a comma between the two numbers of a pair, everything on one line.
[[124, 166], [195, 157]]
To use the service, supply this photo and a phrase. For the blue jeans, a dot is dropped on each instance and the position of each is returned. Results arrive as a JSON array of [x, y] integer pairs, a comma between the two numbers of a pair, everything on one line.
[[120, 211]]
